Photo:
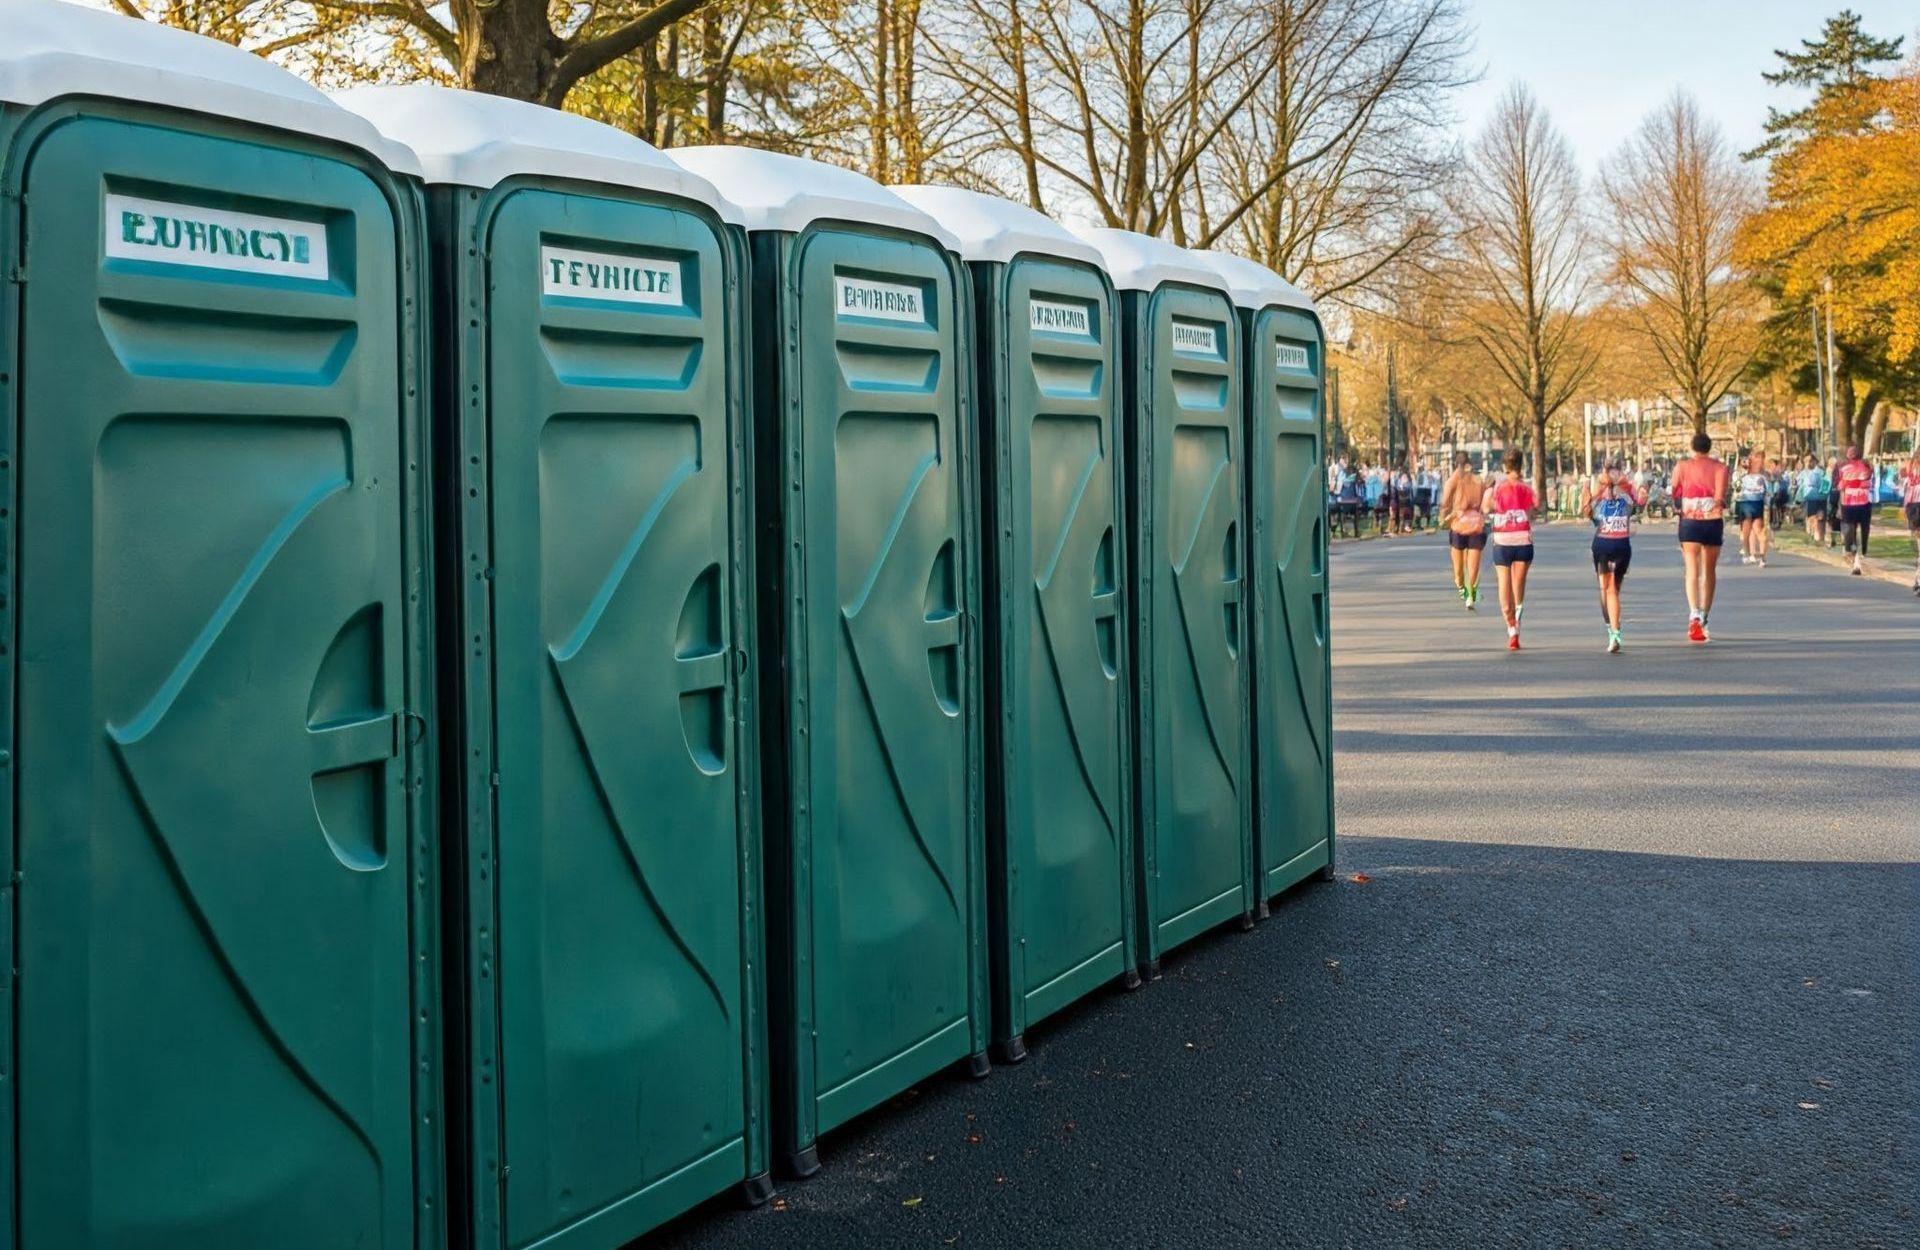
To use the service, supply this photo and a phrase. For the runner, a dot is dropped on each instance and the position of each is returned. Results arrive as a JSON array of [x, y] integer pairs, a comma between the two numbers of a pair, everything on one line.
[[1610, 502], [1813, 498], [1856, 484], [1910, 496], [1402, 493], [1466, 528], [1751, 507], [1510, 507], [1782, 481], [1700, 494]]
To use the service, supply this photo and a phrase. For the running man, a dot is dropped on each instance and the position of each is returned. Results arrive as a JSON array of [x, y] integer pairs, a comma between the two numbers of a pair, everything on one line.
[[1466, 524], [1610, 502], [1510, 508], [1910, 496], [1750, 506], [1700, 496], [1856, 485]]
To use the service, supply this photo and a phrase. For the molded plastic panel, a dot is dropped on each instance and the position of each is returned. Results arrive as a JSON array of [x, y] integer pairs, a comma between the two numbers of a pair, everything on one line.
[[1190, 557], [887, 908], [1292, 677], [1056, 573], [215, 1013], [624, 1014]]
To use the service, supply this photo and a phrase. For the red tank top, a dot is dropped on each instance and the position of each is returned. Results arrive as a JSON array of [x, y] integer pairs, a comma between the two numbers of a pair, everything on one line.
[[1854, 480], [1700, 488], [1510, 508]]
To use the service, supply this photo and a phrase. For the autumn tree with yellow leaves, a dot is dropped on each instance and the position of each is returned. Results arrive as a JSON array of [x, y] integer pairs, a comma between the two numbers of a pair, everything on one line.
[[1840, 231]]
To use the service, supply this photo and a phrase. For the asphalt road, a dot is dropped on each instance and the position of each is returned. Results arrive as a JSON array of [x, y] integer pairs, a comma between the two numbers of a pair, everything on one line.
[[1633, 962]]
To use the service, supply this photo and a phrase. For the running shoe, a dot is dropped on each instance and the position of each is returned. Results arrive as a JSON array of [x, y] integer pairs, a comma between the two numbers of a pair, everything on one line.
[[1613, 642], [1706, 635], [1856, 566], [1696, 630], [1763, 562], [1513, 642], [1473, 597]]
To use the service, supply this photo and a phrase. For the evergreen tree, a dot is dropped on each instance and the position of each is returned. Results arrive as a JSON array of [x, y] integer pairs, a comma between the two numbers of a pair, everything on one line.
[[1837, 65]]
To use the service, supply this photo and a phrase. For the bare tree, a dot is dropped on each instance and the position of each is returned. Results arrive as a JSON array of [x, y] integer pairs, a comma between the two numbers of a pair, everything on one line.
[[1676, 196], [1526, 270], [1331, 173]]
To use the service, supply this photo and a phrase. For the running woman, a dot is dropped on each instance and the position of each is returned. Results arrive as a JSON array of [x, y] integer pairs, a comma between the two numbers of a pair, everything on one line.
[[1750, 505], [1813, 498], [1510, 508], [1700, 495], [1610, 502], [1856, 484], [1460, 501], [1910, 496]]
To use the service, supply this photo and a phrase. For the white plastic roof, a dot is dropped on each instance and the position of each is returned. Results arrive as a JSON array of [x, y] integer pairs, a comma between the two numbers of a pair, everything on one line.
[[471, 139], [1254, 286], [990, 228], [1140, 262], [49, 49], [773, 191]]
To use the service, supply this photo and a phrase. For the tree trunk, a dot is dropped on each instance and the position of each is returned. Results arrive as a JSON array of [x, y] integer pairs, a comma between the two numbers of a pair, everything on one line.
[[714, 75], [1872, 421], [1540, 454], [877, 125], [1133, 186], [1023, 108], [508, 48]]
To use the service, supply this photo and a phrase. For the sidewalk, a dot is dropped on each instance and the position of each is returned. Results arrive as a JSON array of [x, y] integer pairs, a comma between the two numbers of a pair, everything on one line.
[[1897, 571]]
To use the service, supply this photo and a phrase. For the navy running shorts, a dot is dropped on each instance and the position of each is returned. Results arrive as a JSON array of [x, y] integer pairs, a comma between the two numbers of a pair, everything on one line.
[[1467, 542], [1612, 555], [1816, 507], [1707, 533], [1751, 509], [1504, 555], [1913, 516]]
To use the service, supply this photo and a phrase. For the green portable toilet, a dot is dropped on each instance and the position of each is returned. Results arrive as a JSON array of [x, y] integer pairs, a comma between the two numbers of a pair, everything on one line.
[[590, 418], [1186, 549], [1291, 676], [1053, 573], [218, 826], [868, 639]]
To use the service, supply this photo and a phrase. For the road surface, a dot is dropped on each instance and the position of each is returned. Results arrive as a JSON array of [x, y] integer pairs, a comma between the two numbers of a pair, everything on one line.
[[1633, 963]]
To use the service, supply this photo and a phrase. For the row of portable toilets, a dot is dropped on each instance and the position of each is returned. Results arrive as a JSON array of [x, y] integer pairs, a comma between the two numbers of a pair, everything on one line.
[[545, 677]]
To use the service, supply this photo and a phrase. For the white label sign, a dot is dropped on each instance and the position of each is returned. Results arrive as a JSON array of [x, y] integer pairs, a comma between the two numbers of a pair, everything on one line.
[[1189, 336], [888, 301], [213, 238], [598, 275], [1287, 356], [1059, 318]]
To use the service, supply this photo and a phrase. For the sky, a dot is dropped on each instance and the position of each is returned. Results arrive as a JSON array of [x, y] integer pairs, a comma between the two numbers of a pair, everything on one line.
[[1600, 66]]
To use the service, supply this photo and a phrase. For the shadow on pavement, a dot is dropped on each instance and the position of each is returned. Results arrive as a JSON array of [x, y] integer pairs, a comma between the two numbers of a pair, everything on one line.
[[1483, 1046]]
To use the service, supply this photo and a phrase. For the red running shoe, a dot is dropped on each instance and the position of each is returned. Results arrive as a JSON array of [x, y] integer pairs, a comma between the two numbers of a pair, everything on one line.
[[1513, 642], [1696, 632]]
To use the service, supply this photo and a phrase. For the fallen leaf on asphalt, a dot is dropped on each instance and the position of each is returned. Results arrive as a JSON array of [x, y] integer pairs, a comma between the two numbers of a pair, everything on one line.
[[1627, 1156], [1809, 1106], [999, 1180], [1396, 1204], [1361, 878], [1823, 1082], [1334, 964], [779, 1204], [910, 1202], [973, 1139], [1190, 1046], [1809, 982]]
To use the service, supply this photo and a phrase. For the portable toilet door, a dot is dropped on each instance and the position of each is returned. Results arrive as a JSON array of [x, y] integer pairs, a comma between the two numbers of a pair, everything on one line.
[[1187, 553], [222, 1031], [592, 416], [868, 642], [1292, 677], [1053, 579]]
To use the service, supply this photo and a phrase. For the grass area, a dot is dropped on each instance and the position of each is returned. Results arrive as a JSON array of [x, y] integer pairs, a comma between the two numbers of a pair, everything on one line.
[[1889, 540]]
